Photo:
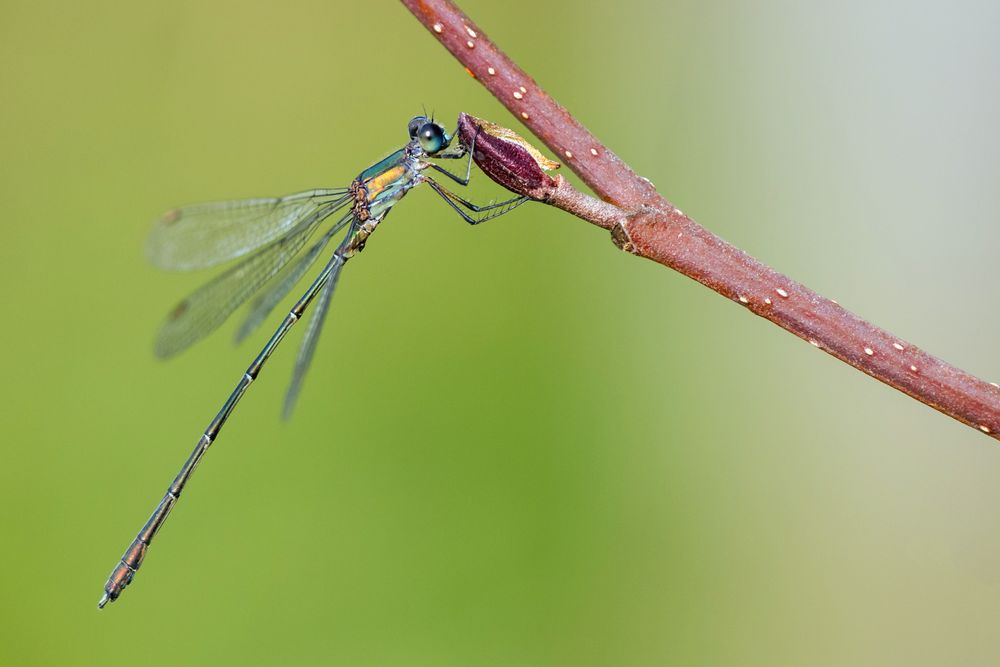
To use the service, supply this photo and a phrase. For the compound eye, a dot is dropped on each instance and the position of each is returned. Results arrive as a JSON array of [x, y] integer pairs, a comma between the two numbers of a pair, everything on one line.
[[432, 138], [415, 125]]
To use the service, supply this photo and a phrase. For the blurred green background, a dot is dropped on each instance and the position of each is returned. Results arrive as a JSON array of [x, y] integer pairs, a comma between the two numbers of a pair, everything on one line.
[[517, 445]]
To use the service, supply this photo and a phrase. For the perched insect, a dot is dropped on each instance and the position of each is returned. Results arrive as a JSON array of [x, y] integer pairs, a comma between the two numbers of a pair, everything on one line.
[[271, 235]]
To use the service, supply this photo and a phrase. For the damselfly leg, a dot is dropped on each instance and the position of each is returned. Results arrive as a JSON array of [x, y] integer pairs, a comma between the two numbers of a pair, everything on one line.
[[453, 201], [452, 198]]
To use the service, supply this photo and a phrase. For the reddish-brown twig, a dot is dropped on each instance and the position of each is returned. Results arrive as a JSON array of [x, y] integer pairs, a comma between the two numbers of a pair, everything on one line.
[[651, 227]]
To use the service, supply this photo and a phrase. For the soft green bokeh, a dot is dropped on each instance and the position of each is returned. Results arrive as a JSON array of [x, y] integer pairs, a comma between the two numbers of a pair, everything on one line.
[[518, 446]]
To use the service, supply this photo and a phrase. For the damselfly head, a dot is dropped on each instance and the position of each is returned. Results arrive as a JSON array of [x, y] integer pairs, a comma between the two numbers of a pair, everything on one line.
[[432, 136]]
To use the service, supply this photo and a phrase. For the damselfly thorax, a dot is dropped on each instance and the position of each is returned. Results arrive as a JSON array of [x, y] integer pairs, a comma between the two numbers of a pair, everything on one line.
[[377, 189]]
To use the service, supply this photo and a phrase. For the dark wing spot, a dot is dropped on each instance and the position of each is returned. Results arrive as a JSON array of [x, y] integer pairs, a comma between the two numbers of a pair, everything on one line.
[[171, 216], [178, 311]]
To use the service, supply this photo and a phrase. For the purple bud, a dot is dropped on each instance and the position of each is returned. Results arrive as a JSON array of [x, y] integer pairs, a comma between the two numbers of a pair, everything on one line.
[[506, 157]]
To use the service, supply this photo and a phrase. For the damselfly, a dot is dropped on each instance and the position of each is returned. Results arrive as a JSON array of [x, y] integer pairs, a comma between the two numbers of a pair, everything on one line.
[[271, 236]]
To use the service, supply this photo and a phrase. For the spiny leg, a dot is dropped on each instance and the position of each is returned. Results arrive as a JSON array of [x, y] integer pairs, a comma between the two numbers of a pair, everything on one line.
[[451, 198], [469, 205]]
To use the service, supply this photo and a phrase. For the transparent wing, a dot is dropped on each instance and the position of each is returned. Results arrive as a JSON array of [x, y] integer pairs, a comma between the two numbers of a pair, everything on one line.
[[208, 307], [283, 283], [203, 235], [308, 348]]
